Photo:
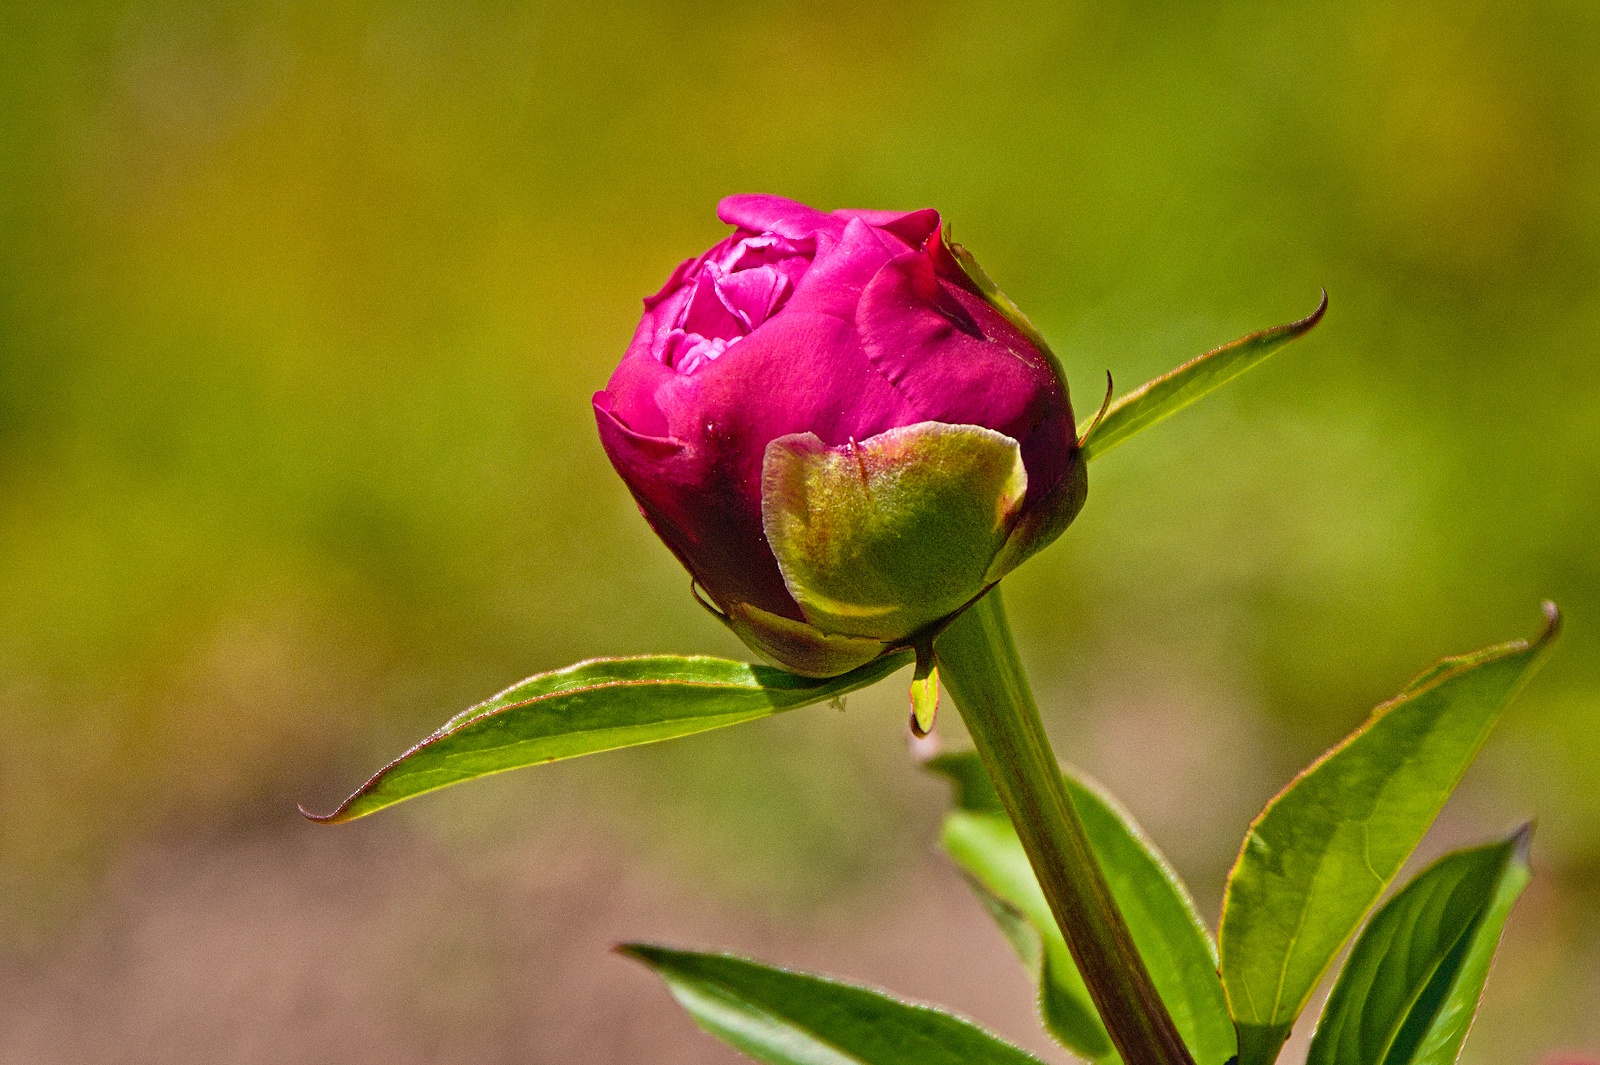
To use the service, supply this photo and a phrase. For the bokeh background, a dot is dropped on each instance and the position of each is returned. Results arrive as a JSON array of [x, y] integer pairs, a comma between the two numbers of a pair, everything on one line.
[[301, 306]]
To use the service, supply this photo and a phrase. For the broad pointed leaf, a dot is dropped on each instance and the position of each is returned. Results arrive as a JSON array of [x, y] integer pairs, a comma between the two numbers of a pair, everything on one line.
[[1324, 850], [1170, 393], [1409, 990], [788, 1018], [597, 706], [1166, 928]]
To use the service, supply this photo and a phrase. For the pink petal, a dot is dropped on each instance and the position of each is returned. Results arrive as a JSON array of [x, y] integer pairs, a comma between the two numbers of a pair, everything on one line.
[[712, 527], [913, 227], [919, 333], [762, 213], [753, 295], [841, 270], [706, 313]]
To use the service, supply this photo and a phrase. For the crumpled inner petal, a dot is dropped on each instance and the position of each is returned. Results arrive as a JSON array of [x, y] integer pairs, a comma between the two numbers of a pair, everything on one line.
[[731, 295]]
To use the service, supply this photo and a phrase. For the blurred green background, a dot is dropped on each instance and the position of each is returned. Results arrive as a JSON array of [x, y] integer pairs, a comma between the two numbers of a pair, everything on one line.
[[301, 306]]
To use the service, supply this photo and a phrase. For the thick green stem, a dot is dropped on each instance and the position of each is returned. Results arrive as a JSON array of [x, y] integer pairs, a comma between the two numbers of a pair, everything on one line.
[[978, 664]]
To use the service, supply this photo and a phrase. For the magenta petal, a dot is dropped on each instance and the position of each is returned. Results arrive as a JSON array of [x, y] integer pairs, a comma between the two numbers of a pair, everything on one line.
[[713, 529], [918, 331], [708, 315], [762, 213], [688, 352], [766, 250], [687, 268], [753, 295], [913, 227], [630, 394], [841, 270], [660, 319], [650, 447], [799, 372]]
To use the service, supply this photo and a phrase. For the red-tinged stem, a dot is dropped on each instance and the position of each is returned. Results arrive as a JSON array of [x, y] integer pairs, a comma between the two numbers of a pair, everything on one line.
[[979, 665]]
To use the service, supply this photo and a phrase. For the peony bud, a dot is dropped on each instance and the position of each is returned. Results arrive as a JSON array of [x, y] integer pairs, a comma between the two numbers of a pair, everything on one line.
[[842, 429]]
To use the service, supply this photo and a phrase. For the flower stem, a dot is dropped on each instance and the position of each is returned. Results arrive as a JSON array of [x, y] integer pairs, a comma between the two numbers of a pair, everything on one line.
[[979, 665]]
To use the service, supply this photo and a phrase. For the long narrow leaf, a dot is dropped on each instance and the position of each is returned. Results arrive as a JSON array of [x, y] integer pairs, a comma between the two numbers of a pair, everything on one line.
[[1324, 850], [1409, 990], [788, 1018], [596, 706], [1166, 928], [1438, 1032], [1171, 392]]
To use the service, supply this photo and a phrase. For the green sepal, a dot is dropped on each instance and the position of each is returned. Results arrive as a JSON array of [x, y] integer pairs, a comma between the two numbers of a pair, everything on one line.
[[884, 536], [798, 647], [1002, 303], [1040, 526]]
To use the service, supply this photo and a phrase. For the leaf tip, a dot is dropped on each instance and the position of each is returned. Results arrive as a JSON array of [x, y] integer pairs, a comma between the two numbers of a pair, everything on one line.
[[1282, 334], [1522, 841], [1305, 324], [322, 819], [650, 955], [1552, 623]]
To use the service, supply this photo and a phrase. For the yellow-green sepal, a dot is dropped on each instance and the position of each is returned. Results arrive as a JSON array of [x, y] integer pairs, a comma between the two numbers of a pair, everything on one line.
[[884, 536], [798, 647], [1040, 527]]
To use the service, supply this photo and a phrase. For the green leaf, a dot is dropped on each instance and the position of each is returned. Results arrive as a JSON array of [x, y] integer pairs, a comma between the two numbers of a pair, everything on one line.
[[1170, 393], [596, 706], [789, 1018], [1439, 1032], [884, 536], [1166, 928], [987, 849], [1324, 850], [1408, 992]]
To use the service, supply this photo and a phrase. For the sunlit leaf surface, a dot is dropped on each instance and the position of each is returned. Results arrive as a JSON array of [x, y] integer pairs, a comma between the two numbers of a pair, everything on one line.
[[1324, 850], [1409, 991], [1168, 932], [1171, 392], [789, 1018], [597, 706]]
